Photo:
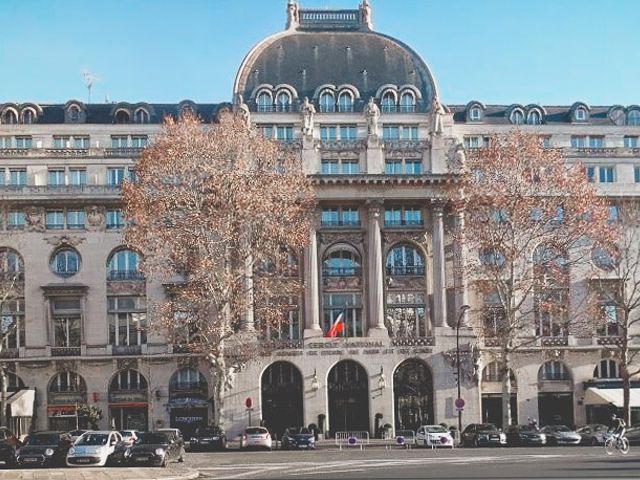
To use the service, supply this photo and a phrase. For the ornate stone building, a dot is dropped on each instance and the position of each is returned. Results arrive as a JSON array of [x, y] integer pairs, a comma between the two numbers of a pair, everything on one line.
[[363, 110]]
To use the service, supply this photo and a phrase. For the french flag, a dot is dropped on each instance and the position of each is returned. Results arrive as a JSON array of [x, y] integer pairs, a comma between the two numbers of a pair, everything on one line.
[[338, 325]]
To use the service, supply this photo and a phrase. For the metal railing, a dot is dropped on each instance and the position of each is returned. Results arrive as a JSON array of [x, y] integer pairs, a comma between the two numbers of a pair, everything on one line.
[[402, 438], [124, 275], [342, 272], [351, 439], [406, 270], [66, 351], [126, 349], [415, 223], [340, 223]]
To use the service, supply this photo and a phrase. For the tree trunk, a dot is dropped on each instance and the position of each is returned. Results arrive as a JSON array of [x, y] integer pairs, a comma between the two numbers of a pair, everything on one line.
[[506, 391], [218, 376], [3, 397], [626, 379]]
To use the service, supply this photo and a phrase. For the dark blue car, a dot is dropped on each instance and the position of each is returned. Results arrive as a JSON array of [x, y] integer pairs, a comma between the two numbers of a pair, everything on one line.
[[298, 438]]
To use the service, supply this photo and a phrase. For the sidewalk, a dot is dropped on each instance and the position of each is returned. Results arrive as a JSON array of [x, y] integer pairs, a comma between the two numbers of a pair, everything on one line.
[[173, 472]]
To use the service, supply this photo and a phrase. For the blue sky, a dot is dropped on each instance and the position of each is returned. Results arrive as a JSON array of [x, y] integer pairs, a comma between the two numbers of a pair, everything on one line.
[[496, 51]]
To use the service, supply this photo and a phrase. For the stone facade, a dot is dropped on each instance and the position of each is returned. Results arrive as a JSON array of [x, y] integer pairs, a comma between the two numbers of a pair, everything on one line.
[[363, 111]]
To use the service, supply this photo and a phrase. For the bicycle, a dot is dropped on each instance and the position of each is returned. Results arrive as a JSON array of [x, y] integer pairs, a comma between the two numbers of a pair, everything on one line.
[[621, 444]]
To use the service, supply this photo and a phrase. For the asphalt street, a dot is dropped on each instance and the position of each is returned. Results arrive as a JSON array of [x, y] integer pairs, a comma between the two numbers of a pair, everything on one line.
[[378, 462]]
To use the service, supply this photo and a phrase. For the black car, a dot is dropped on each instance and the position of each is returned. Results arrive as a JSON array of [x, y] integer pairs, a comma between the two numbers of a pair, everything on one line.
[[155, 449], [524, 435], [295, 438], [44, 449], [482, 434], [633, 435], [8, 445], [208, 438]]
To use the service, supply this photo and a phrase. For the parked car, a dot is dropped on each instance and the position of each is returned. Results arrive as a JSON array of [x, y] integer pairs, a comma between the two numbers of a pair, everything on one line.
[[175, 433], [482, 434], [633, 435], [524, 435], [297, 438], [594, 434], [44, 449], [561, 435], [97, 448], [75, 434], [208, 438], [256, 437], [155, 448], [433, 436], [8, 445], [128, 436]]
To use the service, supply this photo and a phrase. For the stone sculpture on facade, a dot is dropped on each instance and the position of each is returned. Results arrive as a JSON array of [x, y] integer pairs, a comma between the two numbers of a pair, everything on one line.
[[438, 112], [293, 18], [95, 218], [372, 112], [365, 14], [308, 111], [34, 219], [243, 111]]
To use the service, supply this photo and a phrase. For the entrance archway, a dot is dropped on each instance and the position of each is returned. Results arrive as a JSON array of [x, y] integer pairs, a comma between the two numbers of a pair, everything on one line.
[[348, 397], [412, 395], [555, 394], [128, 401], [188, 391], [282, 397]]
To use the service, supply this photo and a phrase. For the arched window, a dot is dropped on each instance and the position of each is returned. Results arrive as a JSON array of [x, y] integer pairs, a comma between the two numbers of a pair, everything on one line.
[[551, 291], [494, 373], [264, 102], [633, 118], [405, 260], [345, 101], [65, 382], [553, 370], [517, 117], [327, 102], [283, 101], [341, 263], [141, 116], [122, 116], [187, 380], [11, 264], [9, 117], [28, 116], [534, 118], [407, 102], [74, 114], [123, 265], [128, 380], [388, 101], [475, 114], [65, 262], [607, 369], [581, 114]]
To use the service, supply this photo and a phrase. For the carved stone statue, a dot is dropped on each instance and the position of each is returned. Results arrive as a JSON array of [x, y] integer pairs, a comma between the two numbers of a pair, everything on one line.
[[95, 218], [34, 219], [293, 19], [243, 111], [365, 14], [373, 117], [438, 112], [308, 111]]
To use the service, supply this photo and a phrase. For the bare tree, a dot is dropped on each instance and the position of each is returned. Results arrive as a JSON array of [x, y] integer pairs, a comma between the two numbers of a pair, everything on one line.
[[220, 208], [529, 220], [615, 295]]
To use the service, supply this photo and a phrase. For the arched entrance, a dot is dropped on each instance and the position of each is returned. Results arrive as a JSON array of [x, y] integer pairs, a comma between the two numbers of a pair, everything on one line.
[[348, 397], [128, 397], [555, 394], [282, 397], [188, 393], [412, 395], [65, 392]]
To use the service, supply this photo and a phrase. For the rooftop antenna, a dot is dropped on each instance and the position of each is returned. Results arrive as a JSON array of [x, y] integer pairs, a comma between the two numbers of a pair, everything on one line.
[[89, 78]]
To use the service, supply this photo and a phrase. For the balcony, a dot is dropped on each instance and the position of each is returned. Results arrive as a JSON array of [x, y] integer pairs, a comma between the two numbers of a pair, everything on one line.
[[66, 351], [124, 275], [406, 270], [340, 223], [394, 144], [559, 341], [413, 341], [54, 226], [10, 353], [334, 144], [124, 152], [128, 396], [609, 340], [63, 191], [126, 349], [600, 152], [342, 272], [404, 223]]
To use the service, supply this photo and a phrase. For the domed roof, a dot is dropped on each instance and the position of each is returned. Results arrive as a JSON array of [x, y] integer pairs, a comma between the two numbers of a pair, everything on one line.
[[310, 56]]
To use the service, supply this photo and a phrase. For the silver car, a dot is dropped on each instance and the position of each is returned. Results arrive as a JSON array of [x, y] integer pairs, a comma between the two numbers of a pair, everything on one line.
[[594, 434], [561, 435]]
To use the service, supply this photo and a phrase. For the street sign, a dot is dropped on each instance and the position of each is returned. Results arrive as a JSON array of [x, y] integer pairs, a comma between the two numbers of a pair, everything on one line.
[[459, 403], [248, 402]]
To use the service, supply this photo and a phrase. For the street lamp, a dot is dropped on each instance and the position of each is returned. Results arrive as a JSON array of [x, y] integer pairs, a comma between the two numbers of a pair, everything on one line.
[[315, 384], [459, 403]]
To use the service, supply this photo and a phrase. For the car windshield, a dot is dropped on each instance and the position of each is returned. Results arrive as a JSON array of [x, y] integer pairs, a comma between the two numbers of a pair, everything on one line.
[[436, 429], [208, 431], [93, 439], [256, 431], [43, 439], [76, 433], [152, 439], [561, 428], [126, 433], [487, 426]]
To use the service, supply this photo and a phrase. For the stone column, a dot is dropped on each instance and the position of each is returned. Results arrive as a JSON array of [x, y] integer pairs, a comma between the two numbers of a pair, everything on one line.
[[459, 267], [439, 293], [312, 291], [376, 278]]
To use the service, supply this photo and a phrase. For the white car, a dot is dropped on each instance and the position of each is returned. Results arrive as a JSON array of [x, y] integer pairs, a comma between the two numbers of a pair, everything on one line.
[[434, 436], [256, 437], [96, 448]]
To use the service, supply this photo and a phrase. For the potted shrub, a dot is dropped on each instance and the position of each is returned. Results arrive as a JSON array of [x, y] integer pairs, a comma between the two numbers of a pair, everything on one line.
[[387, 430]]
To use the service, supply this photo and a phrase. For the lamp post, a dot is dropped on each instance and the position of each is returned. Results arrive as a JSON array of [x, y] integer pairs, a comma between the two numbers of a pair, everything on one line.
[[459, 402]]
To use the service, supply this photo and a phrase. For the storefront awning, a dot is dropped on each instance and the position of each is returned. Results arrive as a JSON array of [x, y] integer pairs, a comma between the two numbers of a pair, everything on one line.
[[611, 396], [21, 403]]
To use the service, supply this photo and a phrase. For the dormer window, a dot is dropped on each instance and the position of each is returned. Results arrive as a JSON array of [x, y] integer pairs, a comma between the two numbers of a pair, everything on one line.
[[581, 114], [475, 114], [408, 102], [141, 116], [283, 101], [345, 102], [534, 118], [9, 117], [388, 102], [517, 117], [74, 114], [28, 116], [327, 102], [633, 118], [122, 116], [264, 102]]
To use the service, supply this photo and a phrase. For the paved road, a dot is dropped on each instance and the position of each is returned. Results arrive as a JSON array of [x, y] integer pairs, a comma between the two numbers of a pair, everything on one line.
[[548, 462]]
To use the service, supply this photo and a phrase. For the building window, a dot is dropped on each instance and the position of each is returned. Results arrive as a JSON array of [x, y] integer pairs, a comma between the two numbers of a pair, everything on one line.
[[328, 132], [115, 219], [284, 134], [283, 101], [67, 382], [473, 142], [404, 260], [553, 371], [581, 114], [403, 167], [348, 132], [327, 102], [345, 102], [65, 262], [15, 220], [329, 167], [546, 142], [633, 118], [77, 177], [475, 114], [6, 142], [388, 102], [636, 174], [119, 141], [289, 327], [596, 142], [128, 381], [406, 314], [80, 142], [54, 220], [9, 117], [551, 293], [402, 216], [74, 114], [534, 118], [266, 130], [630, 142], [493, 315], [606, 369], [349, 305], [123, 265], [24, 142], [578, 141], [115, 176], [264, 102], [407, 102], [75, 219], [606, 174], [67, 317], [12, 319], [399, 132], [55, 177], [517, 117], [122, 116], [139, 141], [350, 167], [28, 116], [127, 321], [340, 217], [141, 116], [17, 177], [61, 142], [343, 167]]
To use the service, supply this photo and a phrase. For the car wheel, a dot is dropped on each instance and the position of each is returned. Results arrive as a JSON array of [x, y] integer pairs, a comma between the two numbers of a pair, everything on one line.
[[593, 442], [164, 463]]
